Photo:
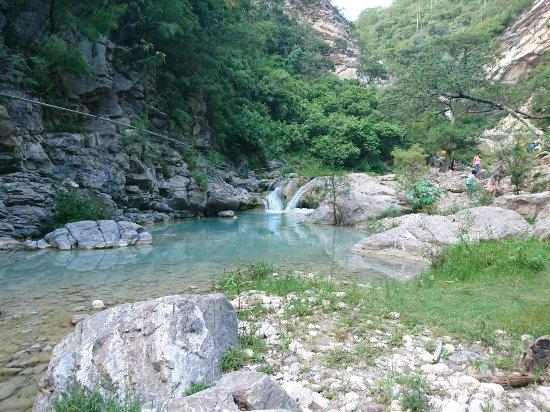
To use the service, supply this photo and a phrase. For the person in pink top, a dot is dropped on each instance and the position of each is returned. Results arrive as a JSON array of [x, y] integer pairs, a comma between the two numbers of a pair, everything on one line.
[[477, 164]]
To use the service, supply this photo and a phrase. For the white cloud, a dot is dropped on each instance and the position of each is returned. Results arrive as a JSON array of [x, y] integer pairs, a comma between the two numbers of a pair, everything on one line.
[[352, 8]]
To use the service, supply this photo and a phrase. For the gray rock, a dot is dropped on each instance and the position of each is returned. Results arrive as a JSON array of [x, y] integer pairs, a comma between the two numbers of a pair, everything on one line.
[[153, 349], [530, 204], [89, 234], [541, 229], [9, 243], [422, 236], [360, 197], [227, 213], [242, 390]]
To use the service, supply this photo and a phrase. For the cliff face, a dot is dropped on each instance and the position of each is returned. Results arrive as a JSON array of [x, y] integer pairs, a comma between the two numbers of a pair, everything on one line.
[[525, 43], [334, 29]]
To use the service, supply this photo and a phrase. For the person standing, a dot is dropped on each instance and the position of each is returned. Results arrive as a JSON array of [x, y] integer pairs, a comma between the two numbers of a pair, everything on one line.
[[477, 164], [470, 182]]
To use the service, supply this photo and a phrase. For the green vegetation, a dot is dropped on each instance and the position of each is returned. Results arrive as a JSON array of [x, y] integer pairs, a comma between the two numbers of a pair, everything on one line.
[[423, 195], [471, 291], [413, 394], [79, 398], [195, 388], [233, 360], [73, 205], [517, 163]]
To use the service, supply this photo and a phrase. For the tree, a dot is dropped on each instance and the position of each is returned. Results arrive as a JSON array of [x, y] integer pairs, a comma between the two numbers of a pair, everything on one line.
[[516, 162]]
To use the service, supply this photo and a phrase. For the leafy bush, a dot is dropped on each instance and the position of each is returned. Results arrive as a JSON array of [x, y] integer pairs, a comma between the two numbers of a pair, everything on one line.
[[423, 195], [409, 165], [201, 178], [73, 205], [517, 163]]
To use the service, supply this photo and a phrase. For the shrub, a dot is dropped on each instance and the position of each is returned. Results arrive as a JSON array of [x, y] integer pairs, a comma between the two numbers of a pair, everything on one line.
[[517, 163], [73, 205], [409, 165], [423, 195], [233, 360], [201, 178]]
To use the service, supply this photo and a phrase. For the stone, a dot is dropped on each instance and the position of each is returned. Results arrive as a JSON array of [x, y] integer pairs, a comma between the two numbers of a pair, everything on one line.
[[78, 318], [541, 228], [241, 390], [9, 243], [163, 345], [491, 389], [537, 355], [437, 369], [450, 405], [227, 213], [98, 304], [529, 204], [299, 393], [421, 237], [468, 382], [95, 235], [265, 330], [360, 197]]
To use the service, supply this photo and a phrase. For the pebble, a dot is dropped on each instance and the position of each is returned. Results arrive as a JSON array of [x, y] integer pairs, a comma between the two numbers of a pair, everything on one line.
[[492, 389], [98, 304], [450, 405], [468, 382], [437, 369]]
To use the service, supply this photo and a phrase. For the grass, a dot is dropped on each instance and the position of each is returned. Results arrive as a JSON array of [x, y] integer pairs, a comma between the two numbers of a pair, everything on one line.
[[196, 388], [410, 389], [233, 360], [471, 291], [79, 399]]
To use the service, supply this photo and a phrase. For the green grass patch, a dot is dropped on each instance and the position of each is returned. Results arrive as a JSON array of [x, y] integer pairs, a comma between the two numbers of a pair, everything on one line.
[[233, 360], [196, 388], [79, 398], [471, 291]]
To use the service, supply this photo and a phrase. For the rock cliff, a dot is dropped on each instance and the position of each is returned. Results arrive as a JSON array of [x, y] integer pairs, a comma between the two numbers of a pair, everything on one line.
[[142, 178], [334, 29], [525, 43]]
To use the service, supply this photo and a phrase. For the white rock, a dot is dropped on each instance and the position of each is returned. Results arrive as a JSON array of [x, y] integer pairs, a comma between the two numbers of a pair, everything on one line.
[[394, 315], [98, 304], [266, 330], [492, 389], [449, 348], [352, 406], [468, 382], [438, 369], [357, 382], [351, 397], [450, 405], [294, 346], [320, 401], [299, 393]]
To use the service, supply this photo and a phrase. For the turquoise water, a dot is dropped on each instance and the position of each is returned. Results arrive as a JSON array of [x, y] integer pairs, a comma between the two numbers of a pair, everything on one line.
[[41, 291]]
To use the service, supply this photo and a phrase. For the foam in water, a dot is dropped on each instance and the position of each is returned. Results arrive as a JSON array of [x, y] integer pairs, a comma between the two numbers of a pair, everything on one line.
[[299, 194], [273, 202]]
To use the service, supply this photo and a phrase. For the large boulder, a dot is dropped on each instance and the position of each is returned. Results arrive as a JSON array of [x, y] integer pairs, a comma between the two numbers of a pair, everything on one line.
[[359, 197], [541, 229], [529, 204], [150, 350], [89, 234], [235, 391], [421, 236]]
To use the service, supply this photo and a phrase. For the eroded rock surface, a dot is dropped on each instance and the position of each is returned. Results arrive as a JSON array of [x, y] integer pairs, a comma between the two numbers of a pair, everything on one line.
[[235, 391], [151, 350], [541, 229], [89, 234], [420, 236], [529, 204], [360, 197]]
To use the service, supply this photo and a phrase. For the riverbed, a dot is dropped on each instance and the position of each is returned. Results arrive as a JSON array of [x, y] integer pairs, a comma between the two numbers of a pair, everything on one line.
[[41, 291]]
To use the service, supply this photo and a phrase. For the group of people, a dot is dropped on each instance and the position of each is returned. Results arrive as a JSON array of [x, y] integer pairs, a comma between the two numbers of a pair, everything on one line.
[[492, 184]]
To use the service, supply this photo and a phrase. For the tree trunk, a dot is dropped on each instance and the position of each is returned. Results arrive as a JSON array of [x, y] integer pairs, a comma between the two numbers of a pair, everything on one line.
[[447, 162]]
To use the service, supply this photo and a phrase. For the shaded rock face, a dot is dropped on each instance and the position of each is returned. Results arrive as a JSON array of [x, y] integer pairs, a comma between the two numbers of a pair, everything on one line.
[[421, 236], [525, 43], [89, 234], [360, 197], [530, 204], [34, 157], [541, 229], [235, 391], [151, 350], [334, 29]]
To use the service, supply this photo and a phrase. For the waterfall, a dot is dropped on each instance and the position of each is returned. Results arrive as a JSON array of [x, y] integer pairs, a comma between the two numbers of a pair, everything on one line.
[[273, 202], [300, 193]]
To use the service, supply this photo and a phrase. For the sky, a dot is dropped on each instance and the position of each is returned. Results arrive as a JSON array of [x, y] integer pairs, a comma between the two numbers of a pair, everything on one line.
[[352, 8]]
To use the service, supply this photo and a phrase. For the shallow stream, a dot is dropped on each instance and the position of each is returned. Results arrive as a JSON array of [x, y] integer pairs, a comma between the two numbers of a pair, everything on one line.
[[41, 291]]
